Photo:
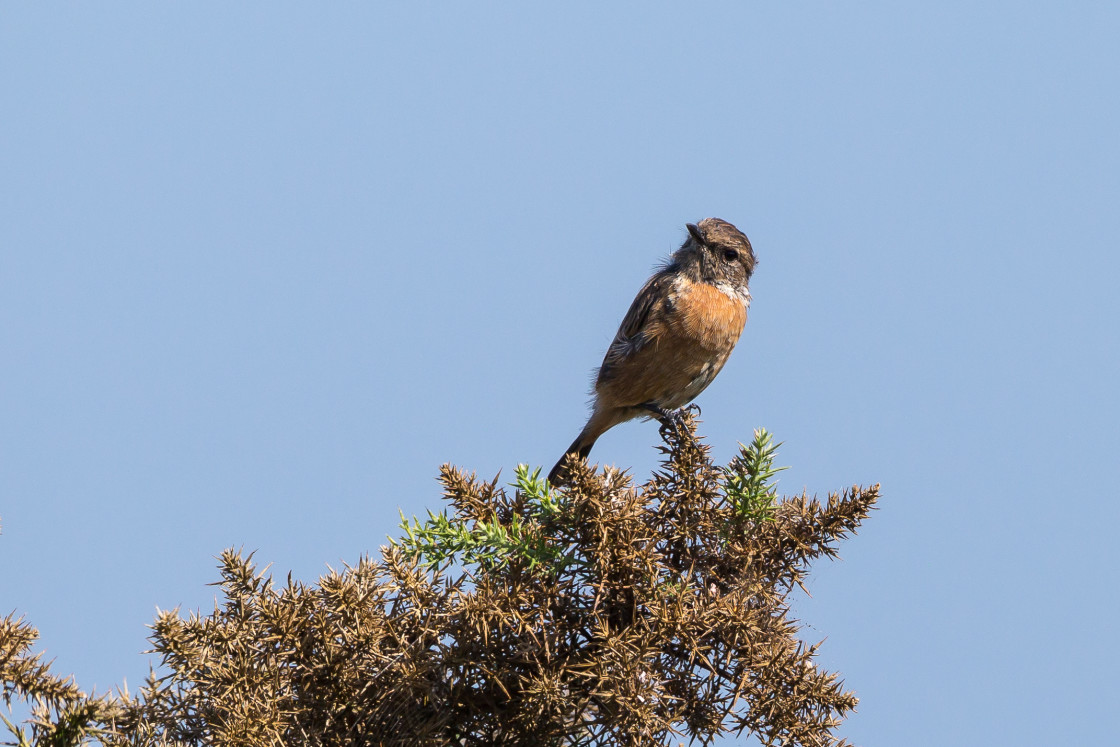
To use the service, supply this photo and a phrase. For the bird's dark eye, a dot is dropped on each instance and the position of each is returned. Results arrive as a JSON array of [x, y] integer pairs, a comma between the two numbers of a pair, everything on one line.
[[730, 255]]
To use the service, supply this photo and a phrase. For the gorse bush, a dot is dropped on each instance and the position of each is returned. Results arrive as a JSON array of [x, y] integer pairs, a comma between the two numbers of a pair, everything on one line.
[[596, 614]]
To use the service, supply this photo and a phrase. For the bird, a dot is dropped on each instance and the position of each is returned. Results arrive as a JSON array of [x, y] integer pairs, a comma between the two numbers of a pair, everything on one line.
[[675, 338]]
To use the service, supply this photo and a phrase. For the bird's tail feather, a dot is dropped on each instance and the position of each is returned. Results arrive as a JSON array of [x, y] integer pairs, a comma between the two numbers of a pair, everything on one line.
[[581, 447]]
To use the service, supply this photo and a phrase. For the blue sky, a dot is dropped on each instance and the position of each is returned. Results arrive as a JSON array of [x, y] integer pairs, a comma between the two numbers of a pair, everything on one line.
[[264, 267]]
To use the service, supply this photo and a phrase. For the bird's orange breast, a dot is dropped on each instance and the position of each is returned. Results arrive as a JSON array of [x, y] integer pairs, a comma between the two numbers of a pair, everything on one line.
[[709, 316], [688, 338]]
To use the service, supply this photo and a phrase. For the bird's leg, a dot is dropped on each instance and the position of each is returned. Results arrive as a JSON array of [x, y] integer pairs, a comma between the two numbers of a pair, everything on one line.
[[658, 412], [670, 419]]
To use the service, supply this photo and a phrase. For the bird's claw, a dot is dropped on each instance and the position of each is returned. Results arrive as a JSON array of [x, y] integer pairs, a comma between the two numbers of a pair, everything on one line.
[[672, 421]]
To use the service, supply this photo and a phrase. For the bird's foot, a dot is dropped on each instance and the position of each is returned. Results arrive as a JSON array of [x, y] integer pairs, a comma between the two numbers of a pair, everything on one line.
[[672, 421]]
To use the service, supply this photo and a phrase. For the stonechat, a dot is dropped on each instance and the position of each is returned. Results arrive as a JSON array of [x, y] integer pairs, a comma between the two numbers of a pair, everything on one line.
[[676, 336]]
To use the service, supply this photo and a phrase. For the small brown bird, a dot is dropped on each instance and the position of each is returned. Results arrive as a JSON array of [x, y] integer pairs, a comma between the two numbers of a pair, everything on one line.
[[676, 336]]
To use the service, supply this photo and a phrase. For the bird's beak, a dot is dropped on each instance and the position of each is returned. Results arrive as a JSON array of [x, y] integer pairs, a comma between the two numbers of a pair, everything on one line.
[[695, 231]]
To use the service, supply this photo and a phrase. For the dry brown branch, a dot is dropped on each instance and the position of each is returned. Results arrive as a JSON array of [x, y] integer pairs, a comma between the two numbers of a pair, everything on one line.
[[599, 614]]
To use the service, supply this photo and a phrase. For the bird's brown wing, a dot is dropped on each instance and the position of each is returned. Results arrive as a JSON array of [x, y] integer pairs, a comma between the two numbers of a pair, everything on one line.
[[636, 329]]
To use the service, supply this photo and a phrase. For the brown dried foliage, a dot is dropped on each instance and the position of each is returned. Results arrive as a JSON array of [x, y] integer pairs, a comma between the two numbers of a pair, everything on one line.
[[668, 617], [61, 714]]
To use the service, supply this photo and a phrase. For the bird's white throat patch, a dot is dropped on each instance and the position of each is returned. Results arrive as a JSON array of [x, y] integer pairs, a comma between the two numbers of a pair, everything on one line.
[[740, 294]]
